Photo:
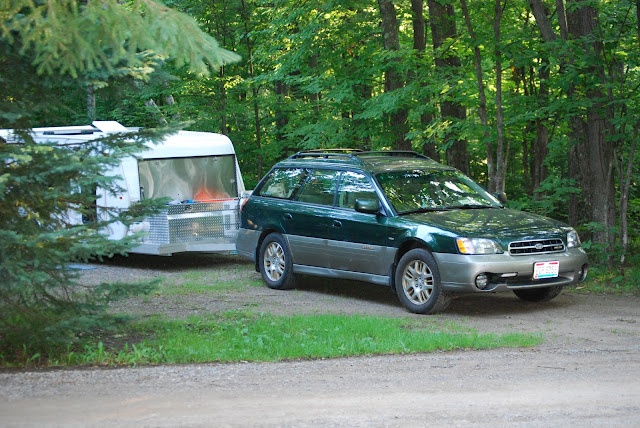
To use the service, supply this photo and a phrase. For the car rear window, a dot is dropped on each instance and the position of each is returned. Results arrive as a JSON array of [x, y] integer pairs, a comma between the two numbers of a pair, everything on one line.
[[282, 183]]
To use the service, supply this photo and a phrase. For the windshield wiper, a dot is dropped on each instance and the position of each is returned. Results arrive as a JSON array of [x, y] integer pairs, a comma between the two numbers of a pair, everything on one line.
[[470, 207], [424, 210]]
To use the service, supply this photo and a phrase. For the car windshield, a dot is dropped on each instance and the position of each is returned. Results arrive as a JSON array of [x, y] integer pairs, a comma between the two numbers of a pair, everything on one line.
[[422, 191]]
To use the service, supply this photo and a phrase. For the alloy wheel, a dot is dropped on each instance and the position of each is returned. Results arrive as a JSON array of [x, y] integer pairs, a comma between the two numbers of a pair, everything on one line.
[[417, 282], [274, 261]]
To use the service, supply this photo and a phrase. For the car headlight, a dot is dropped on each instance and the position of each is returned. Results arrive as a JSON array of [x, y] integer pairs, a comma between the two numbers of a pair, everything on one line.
[[573, 240], [478, 246]]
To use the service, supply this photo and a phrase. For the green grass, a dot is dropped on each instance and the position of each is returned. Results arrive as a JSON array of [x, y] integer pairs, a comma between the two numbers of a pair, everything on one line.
[[205, 283], [265, 337], [604, 281]]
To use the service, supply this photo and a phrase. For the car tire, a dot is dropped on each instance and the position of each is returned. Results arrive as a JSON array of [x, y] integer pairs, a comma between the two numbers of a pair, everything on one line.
[[539, 294], [418, 284], [276, 264]]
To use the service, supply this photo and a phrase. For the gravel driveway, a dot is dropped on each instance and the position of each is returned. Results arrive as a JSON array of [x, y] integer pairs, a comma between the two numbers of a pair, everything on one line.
[[586, 373]]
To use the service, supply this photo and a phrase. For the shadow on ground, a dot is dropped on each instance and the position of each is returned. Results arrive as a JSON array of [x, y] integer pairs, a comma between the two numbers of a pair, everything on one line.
[[314, 294]]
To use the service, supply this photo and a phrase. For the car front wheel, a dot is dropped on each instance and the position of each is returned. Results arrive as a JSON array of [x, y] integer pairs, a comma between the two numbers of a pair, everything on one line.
[[276, 265], [539, 294], [418, 283]]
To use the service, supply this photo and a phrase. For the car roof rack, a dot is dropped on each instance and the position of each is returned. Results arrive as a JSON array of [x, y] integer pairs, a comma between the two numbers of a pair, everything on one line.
[[392, 153], [355, 154], [326, 153]]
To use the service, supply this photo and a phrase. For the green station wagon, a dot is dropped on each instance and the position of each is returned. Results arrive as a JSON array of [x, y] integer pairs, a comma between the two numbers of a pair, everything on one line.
[[402, 220]]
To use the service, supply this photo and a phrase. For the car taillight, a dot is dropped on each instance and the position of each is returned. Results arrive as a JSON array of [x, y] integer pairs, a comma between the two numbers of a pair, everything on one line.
[[243, 202]]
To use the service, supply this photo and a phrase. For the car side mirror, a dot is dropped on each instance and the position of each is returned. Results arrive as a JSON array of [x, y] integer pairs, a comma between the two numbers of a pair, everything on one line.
[[502, 197], [367, 206]]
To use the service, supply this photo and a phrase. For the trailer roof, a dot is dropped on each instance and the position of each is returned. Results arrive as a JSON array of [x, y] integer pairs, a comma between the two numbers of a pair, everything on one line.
[[179, 144]]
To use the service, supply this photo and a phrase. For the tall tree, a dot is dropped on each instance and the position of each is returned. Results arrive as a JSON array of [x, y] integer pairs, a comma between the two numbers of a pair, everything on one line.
[[444, 32], [44, 45], [254, 88], [590, 152], [597, 168], [420, 45], [394, 80], [501, 159], [482, 106]]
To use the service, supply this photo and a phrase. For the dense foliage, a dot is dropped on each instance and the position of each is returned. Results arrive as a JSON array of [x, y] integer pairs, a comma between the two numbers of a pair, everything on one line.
[[538, 98], [52, 55], [39, 184]]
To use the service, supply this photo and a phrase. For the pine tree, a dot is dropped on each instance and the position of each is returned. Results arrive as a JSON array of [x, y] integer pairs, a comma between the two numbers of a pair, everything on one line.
[[46, 47]]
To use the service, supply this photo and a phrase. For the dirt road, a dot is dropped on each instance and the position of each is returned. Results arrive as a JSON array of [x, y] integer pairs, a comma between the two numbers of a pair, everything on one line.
[[587, 373]]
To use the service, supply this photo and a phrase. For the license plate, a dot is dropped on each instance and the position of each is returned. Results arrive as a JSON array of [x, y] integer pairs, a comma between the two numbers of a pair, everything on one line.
[[543, 270]]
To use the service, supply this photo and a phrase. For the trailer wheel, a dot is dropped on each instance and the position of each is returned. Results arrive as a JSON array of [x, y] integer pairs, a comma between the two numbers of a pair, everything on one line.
[[276, 264]]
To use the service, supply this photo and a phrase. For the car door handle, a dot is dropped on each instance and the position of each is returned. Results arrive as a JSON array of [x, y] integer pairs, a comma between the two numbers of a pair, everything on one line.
[[287, 216], [337, 223]]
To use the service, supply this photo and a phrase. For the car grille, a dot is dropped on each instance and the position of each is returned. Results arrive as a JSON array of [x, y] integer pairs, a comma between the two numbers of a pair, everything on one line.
[[536, 246]]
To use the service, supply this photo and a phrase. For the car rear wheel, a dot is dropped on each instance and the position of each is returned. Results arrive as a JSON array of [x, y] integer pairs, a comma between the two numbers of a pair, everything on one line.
[[418, 283], [539, 294], [276, 265]]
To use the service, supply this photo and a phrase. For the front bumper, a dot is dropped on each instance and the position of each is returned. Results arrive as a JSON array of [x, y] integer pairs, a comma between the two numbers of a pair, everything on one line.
[[505, 272]]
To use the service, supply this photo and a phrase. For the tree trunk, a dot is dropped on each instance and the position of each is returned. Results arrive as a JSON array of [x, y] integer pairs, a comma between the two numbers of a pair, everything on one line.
[[625, 181], [155, 112], [582, 206], [314, 97], [501, 159], [281, 116], [541, 142], [562, 19], [364, 92], [170, 101], [540, 149], [254, 90], [625, 189], [393, 79], [443, 27], [482, 108], [420, 45], [91, 102], [597, 168], [223, 103]]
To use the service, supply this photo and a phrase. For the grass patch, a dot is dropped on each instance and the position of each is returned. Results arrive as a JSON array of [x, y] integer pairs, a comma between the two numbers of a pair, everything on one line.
[[265, 337], [205, 283], [601, 280]]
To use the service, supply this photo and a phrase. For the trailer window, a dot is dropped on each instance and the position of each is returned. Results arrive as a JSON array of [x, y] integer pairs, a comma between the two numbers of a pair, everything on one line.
[[195, 179]]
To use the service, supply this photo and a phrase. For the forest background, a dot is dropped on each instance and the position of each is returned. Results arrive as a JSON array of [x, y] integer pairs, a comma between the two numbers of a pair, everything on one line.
[[537, 98]]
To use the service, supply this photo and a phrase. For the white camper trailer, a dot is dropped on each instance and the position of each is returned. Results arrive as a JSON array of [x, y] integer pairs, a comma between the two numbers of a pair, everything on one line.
[[197, 170]]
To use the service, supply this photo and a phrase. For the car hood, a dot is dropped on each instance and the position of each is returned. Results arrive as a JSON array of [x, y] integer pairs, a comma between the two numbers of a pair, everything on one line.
[[502, 224]]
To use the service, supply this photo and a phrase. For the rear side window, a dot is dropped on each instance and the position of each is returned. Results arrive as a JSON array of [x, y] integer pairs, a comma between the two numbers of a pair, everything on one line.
[[320, 188], [282, 183]]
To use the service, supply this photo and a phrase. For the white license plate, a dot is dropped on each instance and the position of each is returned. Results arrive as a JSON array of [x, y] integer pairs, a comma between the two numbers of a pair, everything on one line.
[[543, 270]]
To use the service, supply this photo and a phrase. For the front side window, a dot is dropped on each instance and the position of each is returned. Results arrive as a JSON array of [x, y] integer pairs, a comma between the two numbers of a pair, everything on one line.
[[320, 187], [354, 186], [282, 183], [418, 190]]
